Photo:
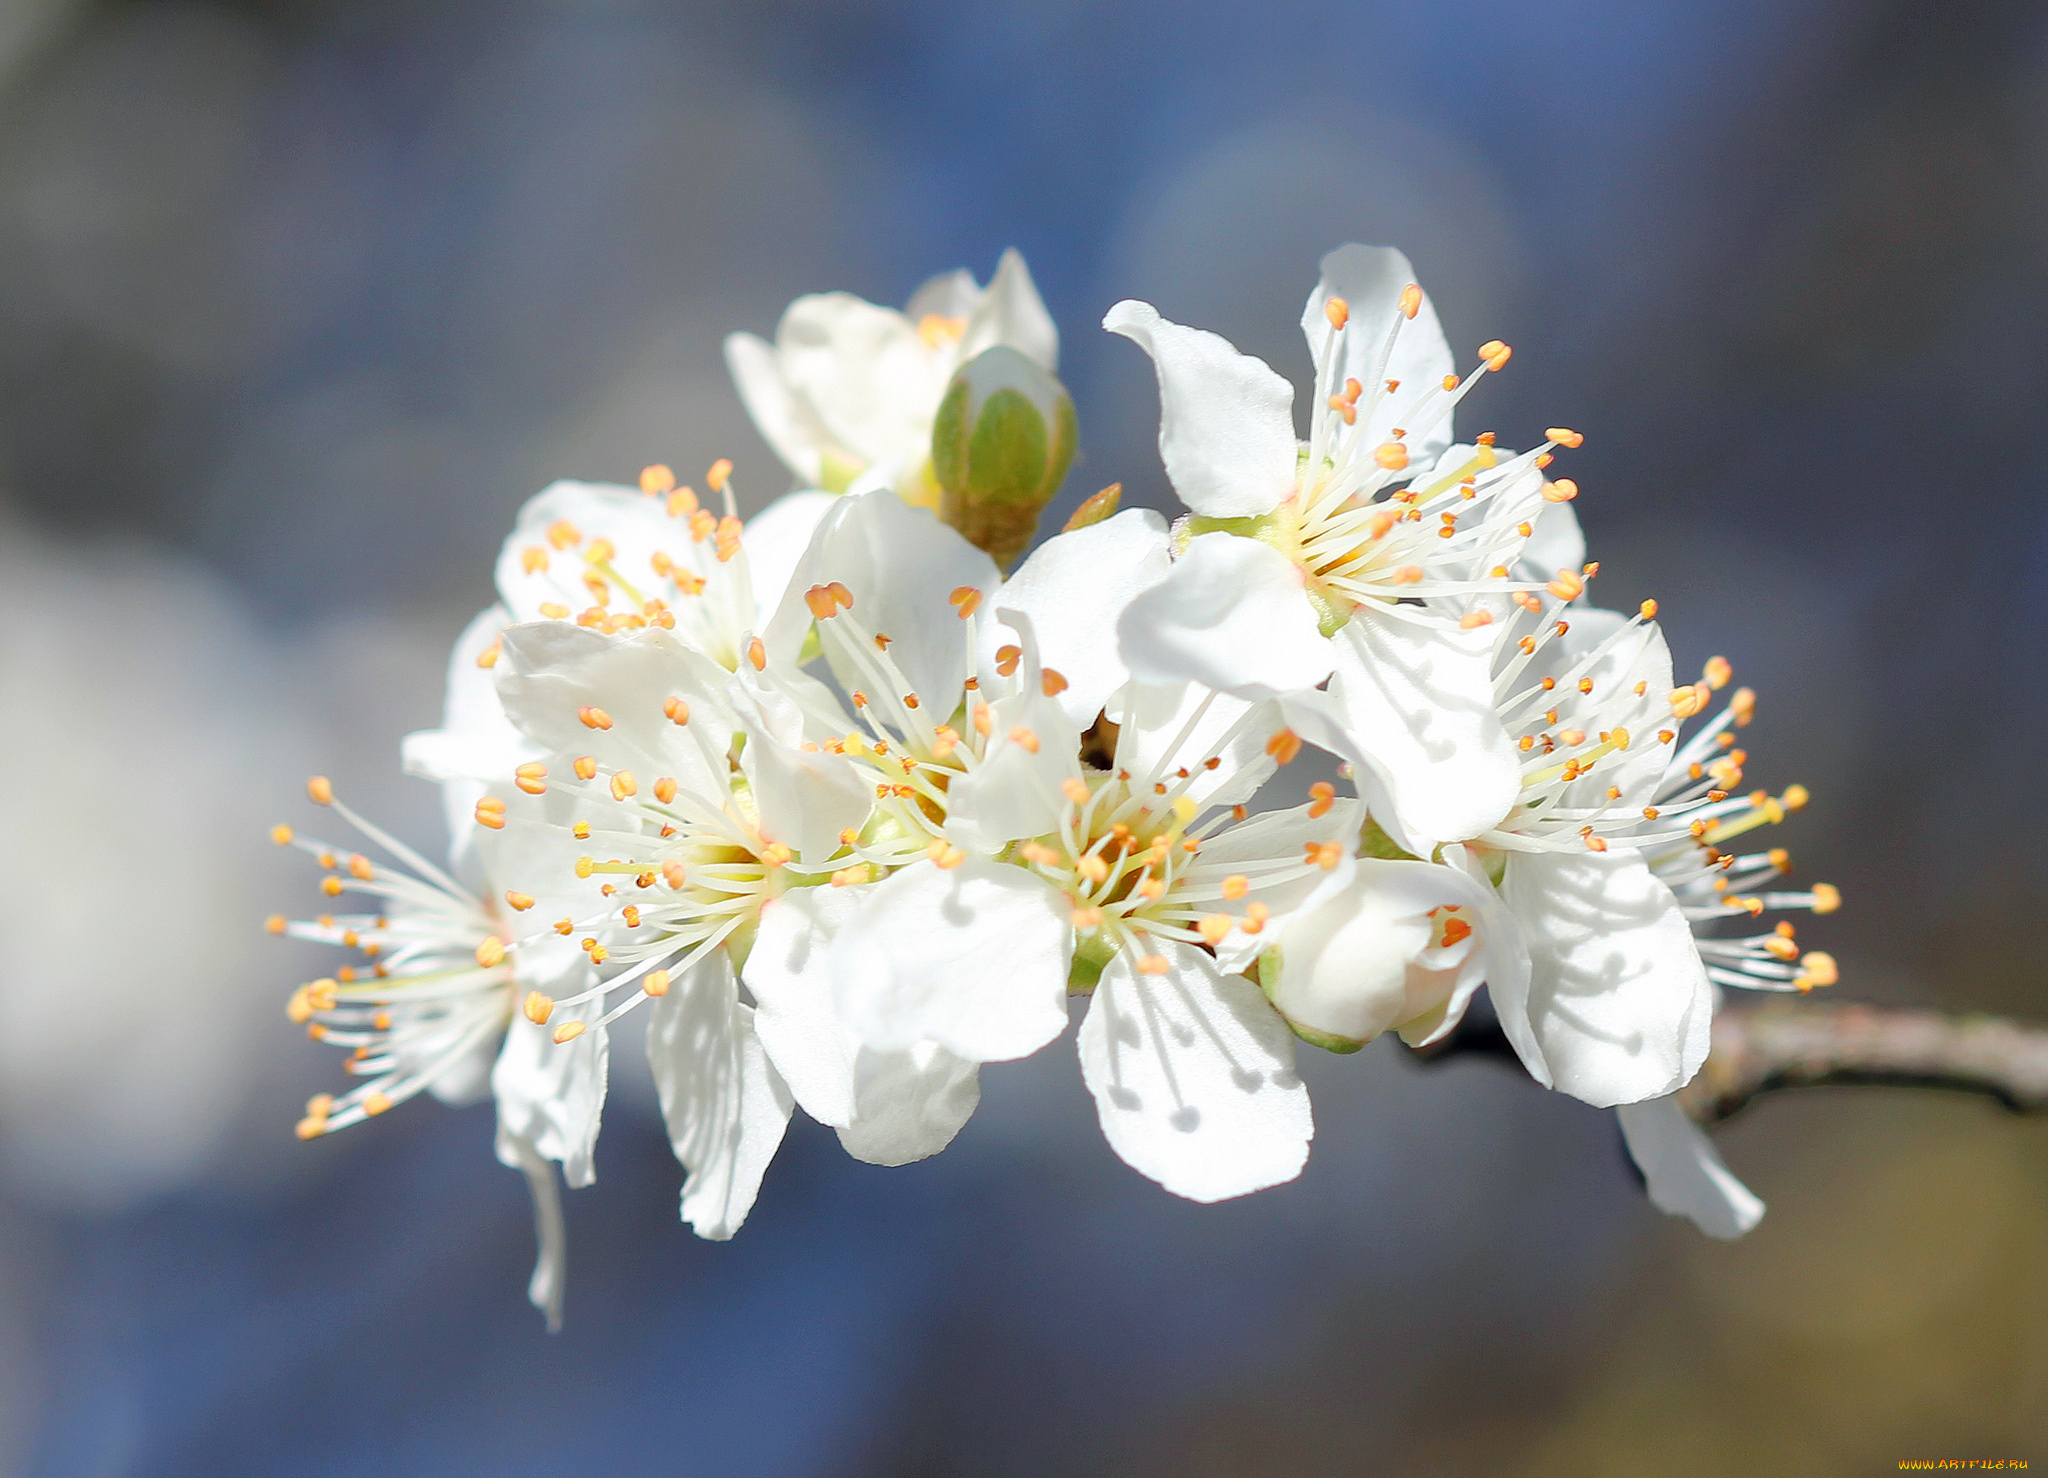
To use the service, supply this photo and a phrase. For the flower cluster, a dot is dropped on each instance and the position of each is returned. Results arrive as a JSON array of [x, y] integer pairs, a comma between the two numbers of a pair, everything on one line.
[[848, 812]]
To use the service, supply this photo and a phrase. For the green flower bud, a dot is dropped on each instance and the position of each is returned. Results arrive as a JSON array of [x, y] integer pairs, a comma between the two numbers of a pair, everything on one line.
[[1001, 445]]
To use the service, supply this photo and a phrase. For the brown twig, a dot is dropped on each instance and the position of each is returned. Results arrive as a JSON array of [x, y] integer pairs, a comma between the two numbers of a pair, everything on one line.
[[1801, 1043]]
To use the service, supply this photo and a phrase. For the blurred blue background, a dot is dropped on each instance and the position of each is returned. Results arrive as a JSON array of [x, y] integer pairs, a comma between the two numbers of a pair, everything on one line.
[[300, 300]]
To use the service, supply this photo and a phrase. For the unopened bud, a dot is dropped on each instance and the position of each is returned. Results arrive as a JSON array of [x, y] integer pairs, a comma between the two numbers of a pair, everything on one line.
[[1001, 445]]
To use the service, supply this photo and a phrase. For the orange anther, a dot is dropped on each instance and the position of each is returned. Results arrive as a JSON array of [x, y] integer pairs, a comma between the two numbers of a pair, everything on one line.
[[568, 1031], [673, 874], [320, 791], [1411, 300], [1473, 620], [1007, 658], [1024, 739], [624, 785], [562, 534], [1322, 796], [716, 475], [656, 983], [1716, 673], [1391, 455], [1495, 353], [1561, 491], [1339, 312], [1284, 745], [594, 718], [757, 654], [1567, 586], [491, 951], [1562, 435]]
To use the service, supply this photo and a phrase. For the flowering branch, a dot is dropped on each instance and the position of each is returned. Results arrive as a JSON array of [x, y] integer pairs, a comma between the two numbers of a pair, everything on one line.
[[1808, 1043]]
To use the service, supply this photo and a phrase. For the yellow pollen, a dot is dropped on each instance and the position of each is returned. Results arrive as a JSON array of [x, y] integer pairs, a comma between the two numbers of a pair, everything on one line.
[[320, 791], [717, 473], [563, 534], [1391, 455], [568, 1031], [376, 1103], [585, 767], [1817, 968], [275, 924], [1495, 353], [331, 886], [631, 914], [1795, 797], [1255, 916], [537, 1007], [488, 657], [1561, 491], [1411, 300], [624, 785], [1742, 706], [491, 951], [656, 983], [594, 718], [1236, 886], [1338, 312], [1092, 867], [1152, 889], [281, 834], [1716, 673], [1214, 927], [554, 610], [1685, 702], [1567, 585], [584, 866]]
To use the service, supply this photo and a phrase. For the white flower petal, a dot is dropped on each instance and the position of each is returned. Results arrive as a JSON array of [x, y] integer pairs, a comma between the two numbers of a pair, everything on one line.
[[1683, 1171], [775, 539], [723, 1102], [1411, 706], [546, 1288], [1193, 1077], [1231, 615], [910, 1103], [550, 1094], [1011, 312], [901, 566], [785, 422], [974, 957], [789, 970], [550, 672], [1357, 959], [1618, 1003], [1371, 279], [864, 373], [476, 743], [1074, 587], [805, 798], [1163, 728], [1226, 421], [890, 1107], [1251, 847]]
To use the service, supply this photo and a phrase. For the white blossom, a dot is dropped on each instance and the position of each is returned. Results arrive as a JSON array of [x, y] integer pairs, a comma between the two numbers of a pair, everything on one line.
[[847, 393]]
